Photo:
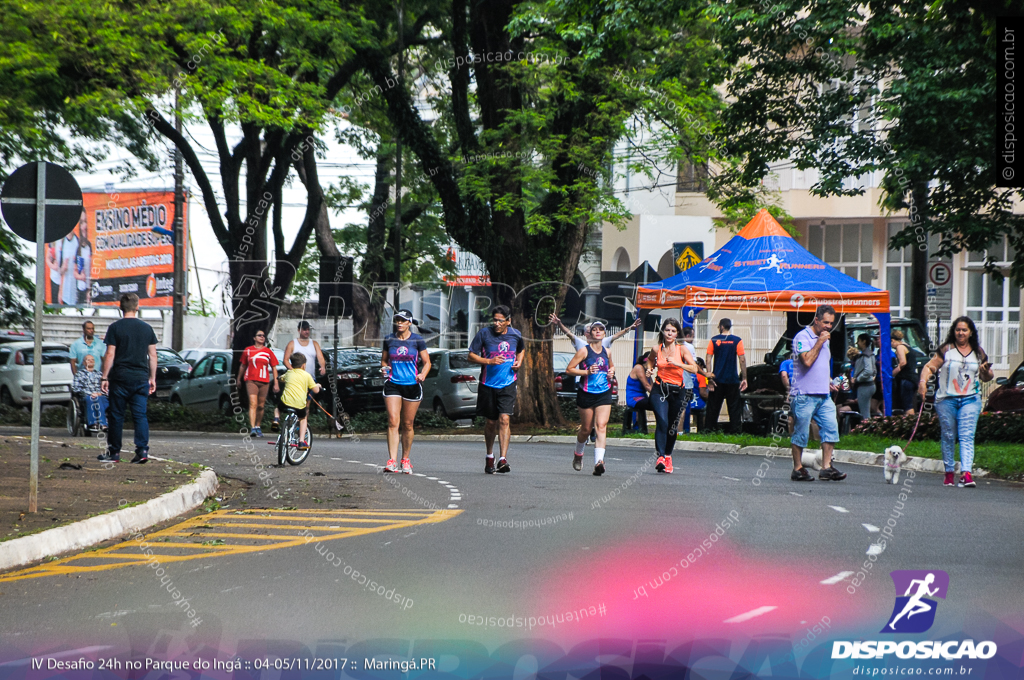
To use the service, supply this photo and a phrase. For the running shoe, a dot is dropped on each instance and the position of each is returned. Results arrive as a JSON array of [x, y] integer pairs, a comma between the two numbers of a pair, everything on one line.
[[599, 469], [802, 475], [256, 432], [107, 458], [489, 466], [406, 466], [950, 479], [503, 466], [577, 461], [141, 457], [660, 466], [668, 465], [830, 474], [593, 435], [276, 425], [967, 480], [391, 466]]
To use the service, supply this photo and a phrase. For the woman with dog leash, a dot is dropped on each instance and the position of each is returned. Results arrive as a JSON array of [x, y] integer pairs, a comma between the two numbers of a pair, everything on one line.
[[668, 396], [961, 366]]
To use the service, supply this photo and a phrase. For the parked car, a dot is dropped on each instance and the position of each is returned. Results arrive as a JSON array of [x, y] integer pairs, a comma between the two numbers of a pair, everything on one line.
[[359, 377], [16, 336], [170, 368], [16, 360], [452, 383], [766, 376], [1009, 396], [192, 356], [206, 387], [565, 384]]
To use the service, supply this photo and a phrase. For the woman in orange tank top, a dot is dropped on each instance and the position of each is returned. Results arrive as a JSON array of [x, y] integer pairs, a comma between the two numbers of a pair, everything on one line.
[[668, 399]]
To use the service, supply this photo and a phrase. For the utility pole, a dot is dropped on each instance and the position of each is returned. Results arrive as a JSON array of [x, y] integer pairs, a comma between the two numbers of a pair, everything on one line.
[[398, 162], [178, 310]]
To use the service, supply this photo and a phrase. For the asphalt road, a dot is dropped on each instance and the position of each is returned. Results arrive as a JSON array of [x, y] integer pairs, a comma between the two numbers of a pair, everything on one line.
[[713, 550]]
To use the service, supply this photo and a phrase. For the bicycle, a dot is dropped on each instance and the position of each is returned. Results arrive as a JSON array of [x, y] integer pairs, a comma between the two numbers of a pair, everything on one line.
[[288, 441]]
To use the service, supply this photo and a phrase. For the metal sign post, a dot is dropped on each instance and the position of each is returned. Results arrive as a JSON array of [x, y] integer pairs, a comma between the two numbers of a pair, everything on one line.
[[16, 200]]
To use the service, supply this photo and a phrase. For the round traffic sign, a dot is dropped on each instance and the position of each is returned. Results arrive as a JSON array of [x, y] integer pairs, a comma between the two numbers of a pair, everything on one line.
[[63, 202], [940, 273]]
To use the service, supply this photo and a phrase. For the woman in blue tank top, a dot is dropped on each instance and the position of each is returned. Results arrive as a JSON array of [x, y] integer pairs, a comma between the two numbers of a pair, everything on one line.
[[592, 367]]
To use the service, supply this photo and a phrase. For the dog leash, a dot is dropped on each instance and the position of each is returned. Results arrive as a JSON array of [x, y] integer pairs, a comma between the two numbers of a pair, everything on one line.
[[326, 413], [913, 432]]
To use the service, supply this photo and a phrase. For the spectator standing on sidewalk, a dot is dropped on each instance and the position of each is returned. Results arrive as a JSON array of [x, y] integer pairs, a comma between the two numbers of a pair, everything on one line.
[[129, 377], [863, 377], [727, 350], [87, 383], [811, 400], [961, 365], [86, 345]]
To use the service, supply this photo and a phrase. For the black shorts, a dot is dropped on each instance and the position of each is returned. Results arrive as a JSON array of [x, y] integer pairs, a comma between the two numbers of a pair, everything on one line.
[[494, 401], [406, 392], [593, 399], [300, 412]]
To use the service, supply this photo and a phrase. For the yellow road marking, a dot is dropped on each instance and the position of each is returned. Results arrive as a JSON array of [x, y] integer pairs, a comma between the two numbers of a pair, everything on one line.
[[337, 524]]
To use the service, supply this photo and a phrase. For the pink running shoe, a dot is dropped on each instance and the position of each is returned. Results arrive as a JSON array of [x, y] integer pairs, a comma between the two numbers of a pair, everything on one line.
[[390, 466], [967, 480], [949, 480], [406, 466]]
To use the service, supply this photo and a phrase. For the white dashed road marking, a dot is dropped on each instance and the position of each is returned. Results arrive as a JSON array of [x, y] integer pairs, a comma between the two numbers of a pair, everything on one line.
[[870, 527], [750, 615], [841, 576], [876, 549], [838, 508]]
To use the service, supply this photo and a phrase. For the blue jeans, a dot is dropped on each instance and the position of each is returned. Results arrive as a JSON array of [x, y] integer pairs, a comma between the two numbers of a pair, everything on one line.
[[96, 409], [958, 419], [822, 410], [122, 396]]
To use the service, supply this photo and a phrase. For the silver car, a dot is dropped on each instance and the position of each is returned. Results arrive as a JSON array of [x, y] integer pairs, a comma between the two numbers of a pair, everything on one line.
[[451, 385], [206, 387], [16, 360]]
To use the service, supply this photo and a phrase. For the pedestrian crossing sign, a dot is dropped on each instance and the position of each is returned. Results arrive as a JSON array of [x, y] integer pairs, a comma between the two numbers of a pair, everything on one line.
[[687, 259]]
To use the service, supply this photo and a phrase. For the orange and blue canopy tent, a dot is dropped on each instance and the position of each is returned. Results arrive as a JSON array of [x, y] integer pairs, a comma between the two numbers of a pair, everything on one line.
[[763, 268]]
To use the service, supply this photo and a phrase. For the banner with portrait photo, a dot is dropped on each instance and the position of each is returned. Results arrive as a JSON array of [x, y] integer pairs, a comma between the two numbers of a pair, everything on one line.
[[122, 244]]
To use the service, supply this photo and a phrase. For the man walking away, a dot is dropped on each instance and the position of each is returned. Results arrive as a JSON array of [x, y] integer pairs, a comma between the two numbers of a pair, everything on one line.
[[87, 344], [129, 377], [812, 383], [726, 349]]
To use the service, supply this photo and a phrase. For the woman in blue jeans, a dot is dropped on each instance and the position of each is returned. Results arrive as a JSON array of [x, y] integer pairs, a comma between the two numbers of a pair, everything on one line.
[[961, 365]]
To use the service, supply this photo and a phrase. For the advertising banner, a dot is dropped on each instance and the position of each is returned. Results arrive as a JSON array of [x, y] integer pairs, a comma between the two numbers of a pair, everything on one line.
[[123, 244]]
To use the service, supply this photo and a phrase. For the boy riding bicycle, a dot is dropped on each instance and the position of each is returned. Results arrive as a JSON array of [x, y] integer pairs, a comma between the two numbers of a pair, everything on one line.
[[297, 382]]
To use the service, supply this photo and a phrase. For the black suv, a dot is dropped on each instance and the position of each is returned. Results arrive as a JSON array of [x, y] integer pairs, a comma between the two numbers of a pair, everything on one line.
[[766, 376], [359, 379]]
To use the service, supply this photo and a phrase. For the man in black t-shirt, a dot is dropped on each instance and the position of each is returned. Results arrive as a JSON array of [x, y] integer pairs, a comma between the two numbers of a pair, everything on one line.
[[129, 377]]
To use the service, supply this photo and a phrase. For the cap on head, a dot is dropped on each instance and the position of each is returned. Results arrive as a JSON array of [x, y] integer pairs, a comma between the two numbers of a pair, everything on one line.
[[403, 315], [304, 326], [594, 324], [726, 324]]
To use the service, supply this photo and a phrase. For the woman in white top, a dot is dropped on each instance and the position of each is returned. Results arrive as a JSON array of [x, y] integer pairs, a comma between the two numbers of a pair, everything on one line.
[[961, 365]]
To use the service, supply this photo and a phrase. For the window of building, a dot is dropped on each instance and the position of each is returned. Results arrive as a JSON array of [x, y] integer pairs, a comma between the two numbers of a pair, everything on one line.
[[994, 306], [666, 266], [692, 177], [897, 273], [847, 247], [620, 262]]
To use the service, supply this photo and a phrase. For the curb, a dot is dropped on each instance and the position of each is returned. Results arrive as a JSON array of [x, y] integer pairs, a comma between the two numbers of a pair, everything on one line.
[[839, 455], [87, 532]]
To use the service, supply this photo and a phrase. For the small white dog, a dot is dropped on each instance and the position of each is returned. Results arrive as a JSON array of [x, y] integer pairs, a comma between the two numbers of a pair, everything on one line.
[[894, 460], [811, 459]]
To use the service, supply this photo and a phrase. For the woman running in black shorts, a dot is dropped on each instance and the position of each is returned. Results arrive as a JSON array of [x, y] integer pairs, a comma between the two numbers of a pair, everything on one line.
[[593, 370]]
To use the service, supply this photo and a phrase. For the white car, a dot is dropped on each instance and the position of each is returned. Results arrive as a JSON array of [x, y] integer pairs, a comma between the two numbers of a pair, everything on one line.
[[16, 360], [192, 356]]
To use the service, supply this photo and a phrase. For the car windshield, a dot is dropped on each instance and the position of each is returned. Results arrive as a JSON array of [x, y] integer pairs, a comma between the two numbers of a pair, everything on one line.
[[459, 361], [166, 356], [912, 336], [50, 356], [561, 360], [354, 357]]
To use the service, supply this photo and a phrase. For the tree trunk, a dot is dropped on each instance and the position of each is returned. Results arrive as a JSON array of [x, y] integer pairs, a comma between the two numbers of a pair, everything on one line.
[[368, 303]]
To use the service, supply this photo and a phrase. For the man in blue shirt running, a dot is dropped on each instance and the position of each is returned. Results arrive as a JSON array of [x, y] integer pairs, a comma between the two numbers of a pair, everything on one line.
[[499, 348]]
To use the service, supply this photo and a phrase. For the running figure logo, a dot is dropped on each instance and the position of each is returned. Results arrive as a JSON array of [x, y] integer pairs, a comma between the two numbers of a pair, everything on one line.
[[503, 346], [708, 262], [773, 262], [402, 350], [914, 612]]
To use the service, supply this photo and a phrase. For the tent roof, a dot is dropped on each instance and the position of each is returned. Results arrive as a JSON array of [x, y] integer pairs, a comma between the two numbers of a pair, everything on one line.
[[763, 268]]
